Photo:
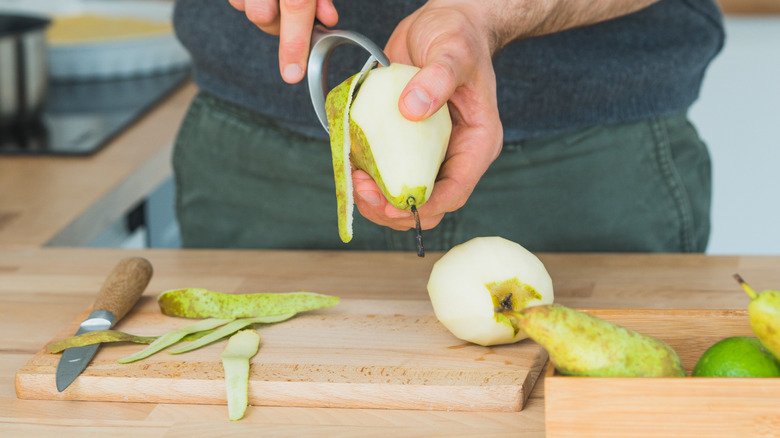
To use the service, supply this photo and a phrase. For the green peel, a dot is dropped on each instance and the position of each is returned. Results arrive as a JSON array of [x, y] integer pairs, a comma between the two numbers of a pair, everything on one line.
[[228, 329], [109, 336], [337, 104], [203, 303], [97, 337], [235, 360], [173, 337]]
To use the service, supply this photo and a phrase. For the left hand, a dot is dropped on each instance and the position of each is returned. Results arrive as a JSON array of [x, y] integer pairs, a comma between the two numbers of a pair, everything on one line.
[[293, 21], [452, 46]]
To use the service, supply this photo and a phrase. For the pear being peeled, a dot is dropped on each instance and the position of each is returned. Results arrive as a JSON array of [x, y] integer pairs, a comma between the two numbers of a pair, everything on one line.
[[367, 131], [477, 287]]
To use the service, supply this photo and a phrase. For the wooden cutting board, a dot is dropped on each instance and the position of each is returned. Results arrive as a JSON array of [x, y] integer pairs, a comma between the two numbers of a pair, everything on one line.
[[388, 354]]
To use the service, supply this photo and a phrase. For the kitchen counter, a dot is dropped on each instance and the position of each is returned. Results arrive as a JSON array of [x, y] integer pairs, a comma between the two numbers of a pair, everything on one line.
[[67, 201], [44, 289]]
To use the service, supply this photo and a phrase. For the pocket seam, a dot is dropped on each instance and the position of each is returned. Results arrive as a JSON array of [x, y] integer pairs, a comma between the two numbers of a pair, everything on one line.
[[674, 183]]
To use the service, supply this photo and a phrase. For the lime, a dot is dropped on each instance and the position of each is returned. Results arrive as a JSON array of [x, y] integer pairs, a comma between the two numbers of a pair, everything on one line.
[[738, 356]]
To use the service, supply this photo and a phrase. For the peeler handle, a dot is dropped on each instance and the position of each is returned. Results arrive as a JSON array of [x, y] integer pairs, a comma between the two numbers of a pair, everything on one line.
[[323, 41]]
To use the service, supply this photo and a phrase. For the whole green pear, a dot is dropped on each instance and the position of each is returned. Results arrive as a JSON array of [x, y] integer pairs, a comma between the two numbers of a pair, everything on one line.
[[764, 311], [580, 344]]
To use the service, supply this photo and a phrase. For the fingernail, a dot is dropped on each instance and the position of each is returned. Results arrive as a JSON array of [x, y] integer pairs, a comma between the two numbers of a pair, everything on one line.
[[417, 102], [292, 72], [371, 197]]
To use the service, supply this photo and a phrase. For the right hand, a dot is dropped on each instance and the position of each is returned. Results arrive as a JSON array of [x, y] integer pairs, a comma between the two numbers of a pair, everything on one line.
[[450, 41], [293, 21]]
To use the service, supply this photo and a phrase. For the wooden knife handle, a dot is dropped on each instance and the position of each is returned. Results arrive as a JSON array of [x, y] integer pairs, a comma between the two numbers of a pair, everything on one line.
[[124, 286]]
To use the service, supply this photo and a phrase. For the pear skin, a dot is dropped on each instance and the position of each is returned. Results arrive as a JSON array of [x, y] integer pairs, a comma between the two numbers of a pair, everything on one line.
[[764, 311], [337, 105], [580, 344], [96, 337], [203, 303]]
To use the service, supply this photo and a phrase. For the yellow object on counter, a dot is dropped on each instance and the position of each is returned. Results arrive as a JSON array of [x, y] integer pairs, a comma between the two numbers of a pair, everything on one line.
[[86, 28]]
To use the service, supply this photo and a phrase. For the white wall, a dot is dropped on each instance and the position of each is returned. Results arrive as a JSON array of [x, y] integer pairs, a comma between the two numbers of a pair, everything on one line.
[[738, 116]]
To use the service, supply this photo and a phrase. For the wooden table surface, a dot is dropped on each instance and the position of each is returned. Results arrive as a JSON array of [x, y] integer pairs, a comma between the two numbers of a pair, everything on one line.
[[42, 290]]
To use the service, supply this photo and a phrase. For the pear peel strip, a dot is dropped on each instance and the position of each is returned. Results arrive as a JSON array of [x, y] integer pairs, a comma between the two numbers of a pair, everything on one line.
[[111, 336], [235, 361], [340, 153], [347, 147], [96, 337], [228, 329], [173, 337], [204, 303]]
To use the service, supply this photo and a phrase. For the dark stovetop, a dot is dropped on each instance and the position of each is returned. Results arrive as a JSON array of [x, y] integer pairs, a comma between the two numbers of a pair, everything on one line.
[[79, 118]]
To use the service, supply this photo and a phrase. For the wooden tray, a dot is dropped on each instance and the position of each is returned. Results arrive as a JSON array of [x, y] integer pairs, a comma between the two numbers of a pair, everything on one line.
[[390, 354], [666, 407]]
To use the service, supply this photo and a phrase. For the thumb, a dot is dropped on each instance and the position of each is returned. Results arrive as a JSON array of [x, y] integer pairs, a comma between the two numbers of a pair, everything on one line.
[[430, 89]]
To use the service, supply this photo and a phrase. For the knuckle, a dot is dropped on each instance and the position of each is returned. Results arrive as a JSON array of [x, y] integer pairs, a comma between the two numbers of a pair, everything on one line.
[[261, 13], [443, 77], [297, 5], [460, 203], [293, 49], [237, 4], [459, 49]]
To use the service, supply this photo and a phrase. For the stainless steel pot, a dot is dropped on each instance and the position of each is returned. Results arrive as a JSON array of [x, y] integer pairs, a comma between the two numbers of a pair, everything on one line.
[[23, 68]]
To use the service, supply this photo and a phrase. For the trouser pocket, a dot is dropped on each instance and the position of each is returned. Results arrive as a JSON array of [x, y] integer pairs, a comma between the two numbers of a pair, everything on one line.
[[641, 186]]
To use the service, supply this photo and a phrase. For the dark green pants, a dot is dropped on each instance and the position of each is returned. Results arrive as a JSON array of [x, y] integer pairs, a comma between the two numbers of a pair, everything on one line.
[[244, 182]]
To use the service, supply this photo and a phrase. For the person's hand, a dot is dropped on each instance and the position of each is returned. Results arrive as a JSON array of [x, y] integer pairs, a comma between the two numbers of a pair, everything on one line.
[[293, 21], [453, 48]]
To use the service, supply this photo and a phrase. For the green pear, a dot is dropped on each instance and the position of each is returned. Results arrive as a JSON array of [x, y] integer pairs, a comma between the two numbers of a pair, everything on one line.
[[368, 132], [764, 311], [580, 344]]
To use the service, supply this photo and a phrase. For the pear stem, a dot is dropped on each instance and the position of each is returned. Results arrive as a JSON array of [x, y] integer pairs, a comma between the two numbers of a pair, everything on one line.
[[418, 227], [514, 317], [753, 294]]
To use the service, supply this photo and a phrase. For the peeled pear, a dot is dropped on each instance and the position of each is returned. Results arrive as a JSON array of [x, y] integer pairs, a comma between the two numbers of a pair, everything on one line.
[[477, 284], [580, 344], [368, 132], [764, 311]]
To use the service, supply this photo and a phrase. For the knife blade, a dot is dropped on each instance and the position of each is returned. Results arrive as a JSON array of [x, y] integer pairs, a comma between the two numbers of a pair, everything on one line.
[[119, 293]]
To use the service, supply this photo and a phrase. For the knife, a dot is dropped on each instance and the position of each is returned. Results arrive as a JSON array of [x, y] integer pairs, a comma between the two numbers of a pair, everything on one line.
[[121, 290]]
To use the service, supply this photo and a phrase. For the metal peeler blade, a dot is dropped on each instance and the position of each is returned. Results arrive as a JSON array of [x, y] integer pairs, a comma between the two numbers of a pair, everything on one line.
[[323, 41]]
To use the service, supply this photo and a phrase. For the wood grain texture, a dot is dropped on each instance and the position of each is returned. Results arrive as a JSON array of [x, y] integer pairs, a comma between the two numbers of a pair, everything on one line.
[[664, 407], [42, 291], [123, 286], [389, 354], [750, 7]]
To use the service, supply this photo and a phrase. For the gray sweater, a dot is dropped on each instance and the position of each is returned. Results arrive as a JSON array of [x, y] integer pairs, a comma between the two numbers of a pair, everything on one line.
[[641, 65]]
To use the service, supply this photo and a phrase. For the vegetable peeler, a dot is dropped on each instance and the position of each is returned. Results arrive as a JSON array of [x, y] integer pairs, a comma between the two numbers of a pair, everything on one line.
[[323, 41]]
